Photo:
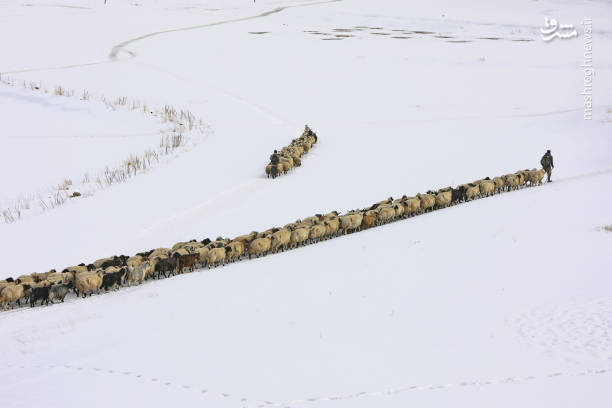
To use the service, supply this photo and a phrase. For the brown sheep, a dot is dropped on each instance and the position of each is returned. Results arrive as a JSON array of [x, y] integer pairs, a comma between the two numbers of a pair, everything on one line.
[[368, 221], [186, 262]]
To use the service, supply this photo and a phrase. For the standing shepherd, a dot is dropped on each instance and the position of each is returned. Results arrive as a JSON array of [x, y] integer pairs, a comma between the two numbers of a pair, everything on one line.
[[274, 159], [547, 163]]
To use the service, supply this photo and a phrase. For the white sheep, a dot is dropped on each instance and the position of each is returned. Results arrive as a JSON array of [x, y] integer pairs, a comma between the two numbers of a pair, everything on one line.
[[486, 187], [535, 176], [299, 236], [259, 246], [500, 184], [215, 256], [351, 222], [280, 240], [88, 282], [443, 198], [13, 293], [428, 201], [332, 225], [472, 192], [386, 213], [317, 232], [512, 181]]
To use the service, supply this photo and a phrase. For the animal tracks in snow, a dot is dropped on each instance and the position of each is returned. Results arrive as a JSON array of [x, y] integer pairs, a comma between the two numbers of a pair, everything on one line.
[[204, 392], [574, 331], [435, 387], [244, 402]]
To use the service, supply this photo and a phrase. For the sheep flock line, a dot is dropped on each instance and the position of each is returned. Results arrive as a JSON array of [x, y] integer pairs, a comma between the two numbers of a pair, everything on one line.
[[117, 271], [291, 156]]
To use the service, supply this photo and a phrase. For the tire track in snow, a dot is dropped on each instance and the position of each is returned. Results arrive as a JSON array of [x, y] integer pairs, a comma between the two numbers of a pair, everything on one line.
[[112, 56], [120, 47]]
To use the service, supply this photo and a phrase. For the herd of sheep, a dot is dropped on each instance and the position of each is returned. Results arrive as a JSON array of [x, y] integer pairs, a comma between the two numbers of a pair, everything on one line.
[[117, 271], [290, 156]]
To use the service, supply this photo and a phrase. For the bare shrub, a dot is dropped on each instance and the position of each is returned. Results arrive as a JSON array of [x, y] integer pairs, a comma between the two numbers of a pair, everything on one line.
[[10, 215], [181, 121], [65, 184]]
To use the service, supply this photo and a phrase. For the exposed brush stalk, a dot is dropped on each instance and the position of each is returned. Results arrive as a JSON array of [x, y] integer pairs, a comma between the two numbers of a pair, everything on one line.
[[129, 167]]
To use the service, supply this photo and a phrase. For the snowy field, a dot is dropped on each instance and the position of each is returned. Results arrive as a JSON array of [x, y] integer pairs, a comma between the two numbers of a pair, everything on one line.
[[500, 302], [47, 139]]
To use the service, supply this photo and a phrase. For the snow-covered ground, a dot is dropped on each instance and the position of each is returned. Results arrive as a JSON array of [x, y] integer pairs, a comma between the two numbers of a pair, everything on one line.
[[499, 302], [48, 138]]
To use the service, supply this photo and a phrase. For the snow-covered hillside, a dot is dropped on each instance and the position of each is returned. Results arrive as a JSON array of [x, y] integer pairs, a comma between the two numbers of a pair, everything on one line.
[[498, 302]]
